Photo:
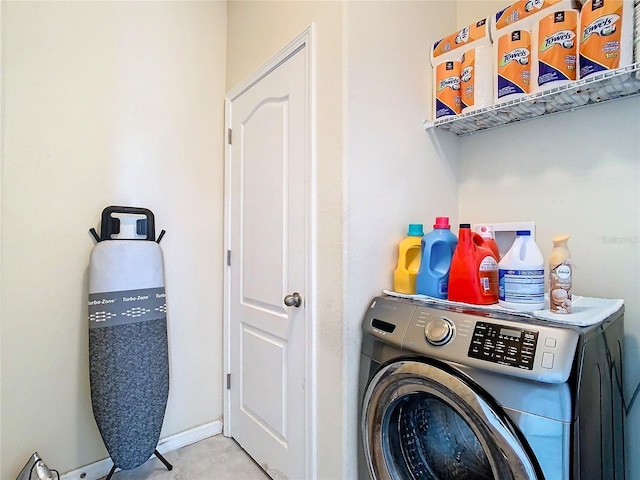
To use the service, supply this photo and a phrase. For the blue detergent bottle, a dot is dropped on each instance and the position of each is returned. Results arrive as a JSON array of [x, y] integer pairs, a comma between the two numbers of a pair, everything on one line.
[[437, 249]]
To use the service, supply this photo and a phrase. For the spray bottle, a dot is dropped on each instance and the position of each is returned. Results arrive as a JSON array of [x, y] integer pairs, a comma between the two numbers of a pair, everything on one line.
[[560, 276]]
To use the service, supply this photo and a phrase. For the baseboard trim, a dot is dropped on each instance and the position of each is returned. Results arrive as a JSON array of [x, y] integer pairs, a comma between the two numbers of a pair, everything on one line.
[[101, 468]]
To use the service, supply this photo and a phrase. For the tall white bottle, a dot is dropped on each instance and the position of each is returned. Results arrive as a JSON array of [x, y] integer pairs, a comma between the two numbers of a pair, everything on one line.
[[521, 275], [560, 276]]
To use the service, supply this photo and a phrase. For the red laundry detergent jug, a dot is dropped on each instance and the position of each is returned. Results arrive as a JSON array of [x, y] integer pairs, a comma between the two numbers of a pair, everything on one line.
[[474, 270]]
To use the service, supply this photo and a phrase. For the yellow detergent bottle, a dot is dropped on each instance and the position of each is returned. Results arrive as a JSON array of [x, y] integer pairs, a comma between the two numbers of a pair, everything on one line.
[[409, 253]]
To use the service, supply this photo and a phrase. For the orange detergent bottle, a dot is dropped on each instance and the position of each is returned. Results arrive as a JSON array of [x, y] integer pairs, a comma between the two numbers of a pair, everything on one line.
[[474, 270], [409, 253]]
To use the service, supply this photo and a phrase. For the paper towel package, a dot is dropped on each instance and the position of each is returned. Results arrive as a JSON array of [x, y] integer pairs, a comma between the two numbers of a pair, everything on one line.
[[476, 78], [446, 92], [524, 14], [452, 46], [606, 35], [446, 55], [555, 50], [513, 65], [513, 80]]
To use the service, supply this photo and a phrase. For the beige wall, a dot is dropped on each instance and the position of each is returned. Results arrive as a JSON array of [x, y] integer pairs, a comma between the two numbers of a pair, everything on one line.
[[470, 11], [256, 32], [395, 173], [105, 103]]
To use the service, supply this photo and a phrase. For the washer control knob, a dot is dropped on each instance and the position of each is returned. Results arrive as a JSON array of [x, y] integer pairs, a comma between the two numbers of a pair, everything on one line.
[[439, 332]]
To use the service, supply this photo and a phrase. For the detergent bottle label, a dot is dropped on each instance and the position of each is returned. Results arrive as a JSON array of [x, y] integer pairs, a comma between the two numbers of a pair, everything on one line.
[[443, 288], [488, 273], [521, 286]]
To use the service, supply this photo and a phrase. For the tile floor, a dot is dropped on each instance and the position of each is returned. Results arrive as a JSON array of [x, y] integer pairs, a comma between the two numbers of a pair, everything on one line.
[[214, 458]]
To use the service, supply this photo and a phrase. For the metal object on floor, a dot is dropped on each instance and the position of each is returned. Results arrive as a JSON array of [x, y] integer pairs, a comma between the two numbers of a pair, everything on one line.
[[36, 464]]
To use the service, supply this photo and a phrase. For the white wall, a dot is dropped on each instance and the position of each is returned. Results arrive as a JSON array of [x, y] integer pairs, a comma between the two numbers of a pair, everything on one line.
[[257, 30], [105, 103], [395, 173], [575, 173]]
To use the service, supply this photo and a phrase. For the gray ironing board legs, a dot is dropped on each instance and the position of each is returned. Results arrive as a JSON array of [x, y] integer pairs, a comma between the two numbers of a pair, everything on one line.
[[160, 457]]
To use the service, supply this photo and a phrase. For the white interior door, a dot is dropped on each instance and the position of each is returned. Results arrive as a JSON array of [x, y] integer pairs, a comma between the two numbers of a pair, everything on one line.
[[268, 224]]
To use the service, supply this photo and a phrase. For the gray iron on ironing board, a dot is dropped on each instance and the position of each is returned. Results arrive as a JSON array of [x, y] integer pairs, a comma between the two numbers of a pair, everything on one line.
[[128, 349]]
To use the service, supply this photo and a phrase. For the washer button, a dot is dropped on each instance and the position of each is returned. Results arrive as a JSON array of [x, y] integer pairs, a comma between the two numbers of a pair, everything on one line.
[[550, 342], [547, 360]]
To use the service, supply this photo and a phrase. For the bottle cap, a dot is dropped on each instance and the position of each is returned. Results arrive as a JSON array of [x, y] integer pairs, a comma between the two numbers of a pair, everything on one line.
[[560, 239], [415, 230], [442, 222], [523, 233], [465, 225]]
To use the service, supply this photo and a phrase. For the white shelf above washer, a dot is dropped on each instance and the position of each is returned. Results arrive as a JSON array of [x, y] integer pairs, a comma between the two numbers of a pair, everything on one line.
[[596, 89]]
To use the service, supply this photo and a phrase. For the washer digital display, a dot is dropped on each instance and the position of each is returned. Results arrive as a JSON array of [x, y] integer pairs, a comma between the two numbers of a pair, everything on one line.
[[515, 347]]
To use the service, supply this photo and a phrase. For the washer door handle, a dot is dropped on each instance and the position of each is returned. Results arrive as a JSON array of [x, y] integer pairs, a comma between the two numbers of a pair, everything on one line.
[[293, 300]]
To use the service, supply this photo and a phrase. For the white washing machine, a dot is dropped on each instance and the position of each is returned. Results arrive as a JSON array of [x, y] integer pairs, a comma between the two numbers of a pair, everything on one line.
[[452, 394]]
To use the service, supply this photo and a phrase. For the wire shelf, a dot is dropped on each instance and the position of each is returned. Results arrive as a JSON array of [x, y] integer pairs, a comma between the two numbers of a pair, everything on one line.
[[593, 90]]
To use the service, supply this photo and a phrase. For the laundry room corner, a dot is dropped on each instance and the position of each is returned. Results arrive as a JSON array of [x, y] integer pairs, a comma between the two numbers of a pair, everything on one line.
[[396, 174], [105, 103], [131, 103]]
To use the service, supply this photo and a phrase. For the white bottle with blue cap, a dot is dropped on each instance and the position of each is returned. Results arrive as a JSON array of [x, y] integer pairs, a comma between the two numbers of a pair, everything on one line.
[[521, 275]]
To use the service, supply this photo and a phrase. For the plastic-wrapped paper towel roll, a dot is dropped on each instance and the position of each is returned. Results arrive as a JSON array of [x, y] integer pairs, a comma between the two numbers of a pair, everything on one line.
[[445, 59], [606, 36], [446, 88], [524, 14], [555, 50], [513, 65], [476, 78], [451, 47]]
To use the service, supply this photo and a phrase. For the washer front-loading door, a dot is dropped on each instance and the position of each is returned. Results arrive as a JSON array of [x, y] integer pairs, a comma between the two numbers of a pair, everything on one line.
[[426, 421]]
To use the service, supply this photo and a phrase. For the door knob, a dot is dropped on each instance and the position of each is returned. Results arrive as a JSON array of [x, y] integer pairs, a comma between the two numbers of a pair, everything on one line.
[[293, 300]]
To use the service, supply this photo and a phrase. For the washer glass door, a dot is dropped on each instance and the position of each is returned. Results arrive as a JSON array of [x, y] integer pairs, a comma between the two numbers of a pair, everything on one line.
[[426, 421]]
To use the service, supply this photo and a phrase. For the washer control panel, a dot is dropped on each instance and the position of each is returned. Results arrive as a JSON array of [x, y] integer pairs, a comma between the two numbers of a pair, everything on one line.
[[505, 345], [494, 341]]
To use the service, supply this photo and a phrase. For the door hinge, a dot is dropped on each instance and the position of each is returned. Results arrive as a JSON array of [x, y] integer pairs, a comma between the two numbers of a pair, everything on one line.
[[229, 136], [228, 381], [228, 258]]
